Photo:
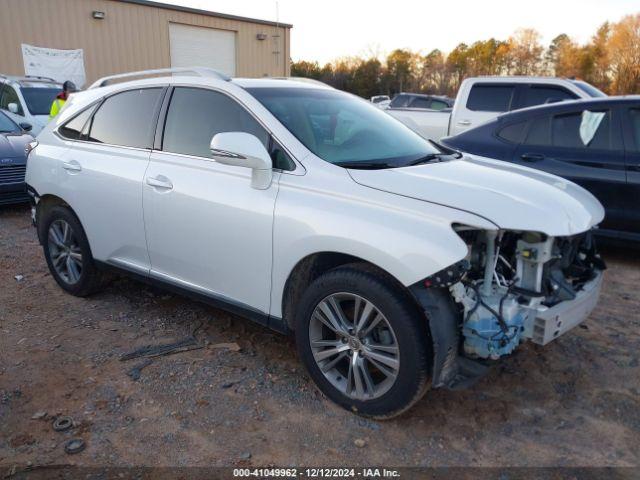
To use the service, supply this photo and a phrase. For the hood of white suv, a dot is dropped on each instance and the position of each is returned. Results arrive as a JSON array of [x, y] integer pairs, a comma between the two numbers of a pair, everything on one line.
[[512, 197]]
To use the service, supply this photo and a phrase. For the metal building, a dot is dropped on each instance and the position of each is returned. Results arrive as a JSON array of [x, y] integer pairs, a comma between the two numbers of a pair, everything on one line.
[[127, 35]]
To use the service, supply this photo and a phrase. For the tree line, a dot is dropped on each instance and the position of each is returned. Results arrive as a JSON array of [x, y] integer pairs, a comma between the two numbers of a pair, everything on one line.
[[610, 60]]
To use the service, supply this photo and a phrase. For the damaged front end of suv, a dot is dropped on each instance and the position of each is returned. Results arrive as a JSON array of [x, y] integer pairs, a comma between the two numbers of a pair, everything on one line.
[[512, 286]]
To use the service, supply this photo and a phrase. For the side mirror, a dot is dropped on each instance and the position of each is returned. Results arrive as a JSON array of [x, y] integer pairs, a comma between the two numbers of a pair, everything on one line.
[[13, 107], [26, 126], [244, 150]]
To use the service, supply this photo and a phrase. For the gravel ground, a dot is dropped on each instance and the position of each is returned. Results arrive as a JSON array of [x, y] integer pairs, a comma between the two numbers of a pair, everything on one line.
[[244, 399]]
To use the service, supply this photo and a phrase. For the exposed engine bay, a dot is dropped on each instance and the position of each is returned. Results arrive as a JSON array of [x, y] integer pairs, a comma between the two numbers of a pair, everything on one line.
[[514, 286]]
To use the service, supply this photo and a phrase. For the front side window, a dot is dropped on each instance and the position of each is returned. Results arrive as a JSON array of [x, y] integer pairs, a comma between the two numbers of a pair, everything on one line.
[[9, 95], [490, 98], [539, 95], [438, 105], [126, 118], [7, 125], [340, 128], [195, 115]]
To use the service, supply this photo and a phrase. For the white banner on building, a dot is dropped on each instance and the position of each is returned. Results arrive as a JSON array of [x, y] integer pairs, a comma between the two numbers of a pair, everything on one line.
[[60, 65]]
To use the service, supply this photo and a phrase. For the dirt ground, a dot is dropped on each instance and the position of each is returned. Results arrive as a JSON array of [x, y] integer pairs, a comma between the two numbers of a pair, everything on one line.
[[575, 402]]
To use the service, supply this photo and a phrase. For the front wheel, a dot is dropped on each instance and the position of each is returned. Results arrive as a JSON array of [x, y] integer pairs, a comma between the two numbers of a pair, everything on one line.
[[364, 342]]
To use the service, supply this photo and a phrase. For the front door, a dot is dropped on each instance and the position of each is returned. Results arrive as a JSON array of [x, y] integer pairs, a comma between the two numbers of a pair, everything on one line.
[[207, 230], [631, 122]]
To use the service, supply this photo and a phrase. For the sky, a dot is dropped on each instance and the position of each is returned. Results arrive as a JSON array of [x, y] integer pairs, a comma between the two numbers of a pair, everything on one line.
[[324, 30]]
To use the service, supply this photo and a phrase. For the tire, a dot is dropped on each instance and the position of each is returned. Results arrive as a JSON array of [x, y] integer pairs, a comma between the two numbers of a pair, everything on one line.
[[65, 250], [396, 380]]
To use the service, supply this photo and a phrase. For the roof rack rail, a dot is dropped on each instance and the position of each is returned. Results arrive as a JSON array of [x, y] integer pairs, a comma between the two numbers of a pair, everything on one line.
[[200, 71], [41, 78]]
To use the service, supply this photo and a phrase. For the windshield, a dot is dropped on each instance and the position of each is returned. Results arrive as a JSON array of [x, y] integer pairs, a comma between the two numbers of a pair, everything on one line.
[[343, 129], [39, 99], [589, 89], [7, 125]]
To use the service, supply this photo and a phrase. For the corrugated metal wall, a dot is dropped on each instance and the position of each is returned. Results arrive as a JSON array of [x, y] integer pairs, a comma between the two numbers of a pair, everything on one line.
[[131, 37]]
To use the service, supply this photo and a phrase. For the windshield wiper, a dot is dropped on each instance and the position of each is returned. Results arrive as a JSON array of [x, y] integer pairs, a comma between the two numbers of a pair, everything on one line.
[[365, 165], [432, 157]]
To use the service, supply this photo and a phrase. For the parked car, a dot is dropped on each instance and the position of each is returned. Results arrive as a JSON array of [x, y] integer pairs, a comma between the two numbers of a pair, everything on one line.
[[396, 264], [13, 160], [594, 143], [481, 99], [381, 101], [421, 101], [28, 99]]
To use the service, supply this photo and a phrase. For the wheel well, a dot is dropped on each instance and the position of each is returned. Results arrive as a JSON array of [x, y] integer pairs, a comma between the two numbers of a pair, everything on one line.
[[310, 268], [45, 203]]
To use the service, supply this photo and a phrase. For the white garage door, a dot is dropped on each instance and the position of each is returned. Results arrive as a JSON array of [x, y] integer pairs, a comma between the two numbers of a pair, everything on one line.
[[203, 47]]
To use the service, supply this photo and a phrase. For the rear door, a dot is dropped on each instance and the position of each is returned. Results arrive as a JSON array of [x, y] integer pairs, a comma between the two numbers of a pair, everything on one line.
[[631, 124], [584, 146], [484, 102], [101, 174], [207, 230]]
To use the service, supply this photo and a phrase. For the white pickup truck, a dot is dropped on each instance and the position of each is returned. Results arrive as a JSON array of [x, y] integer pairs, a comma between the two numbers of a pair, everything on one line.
[[483, 98]]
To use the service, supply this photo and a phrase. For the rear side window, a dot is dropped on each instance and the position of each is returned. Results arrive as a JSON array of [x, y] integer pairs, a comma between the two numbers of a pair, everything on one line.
[[577, 130], [536, 95], [126, 119], [513, 133], [73, 128], [400, 101], [490, 98], [195, 115], [586, 129], [420, 102]]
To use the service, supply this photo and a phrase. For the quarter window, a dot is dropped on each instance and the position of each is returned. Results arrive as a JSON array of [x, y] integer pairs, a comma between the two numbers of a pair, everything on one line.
[[513, 133], [73, 129], [126, 119], [195, 115], [490, 98]]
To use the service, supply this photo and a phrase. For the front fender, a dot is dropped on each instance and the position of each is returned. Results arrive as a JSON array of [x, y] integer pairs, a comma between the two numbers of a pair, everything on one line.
[[407, 238]]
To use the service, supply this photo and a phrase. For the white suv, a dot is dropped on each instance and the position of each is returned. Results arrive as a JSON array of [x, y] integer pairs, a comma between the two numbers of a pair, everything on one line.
[[27, 100], [397, 263]]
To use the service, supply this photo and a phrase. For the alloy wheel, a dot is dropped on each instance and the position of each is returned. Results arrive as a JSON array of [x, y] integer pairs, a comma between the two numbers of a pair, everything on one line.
[[354, 346], [65, 252]]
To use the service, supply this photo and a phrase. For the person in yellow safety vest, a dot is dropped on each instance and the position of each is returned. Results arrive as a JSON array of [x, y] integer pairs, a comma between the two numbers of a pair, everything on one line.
[[68, 88]]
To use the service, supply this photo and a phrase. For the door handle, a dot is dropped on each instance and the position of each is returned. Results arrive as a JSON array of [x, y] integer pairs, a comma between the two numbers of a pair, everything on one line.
[[160, 181], [532, 157], [464, 123], [71, 166]]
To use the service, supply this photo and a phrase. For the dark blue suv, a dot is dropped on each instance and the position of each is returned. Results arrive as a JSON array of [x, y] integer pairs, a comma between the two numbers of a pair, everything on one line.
[[594, 143]]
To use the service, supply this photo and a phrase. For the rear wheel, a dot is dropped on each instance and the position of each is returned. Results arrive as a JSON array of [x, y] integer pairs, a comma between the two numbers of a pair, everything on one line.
[[363, 342], [67, 252]]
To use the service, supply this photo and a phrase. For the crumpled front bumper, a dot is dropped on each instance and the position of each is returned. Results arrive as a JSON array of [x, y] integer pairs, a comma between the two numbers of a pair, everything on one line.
[[551, 323]]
